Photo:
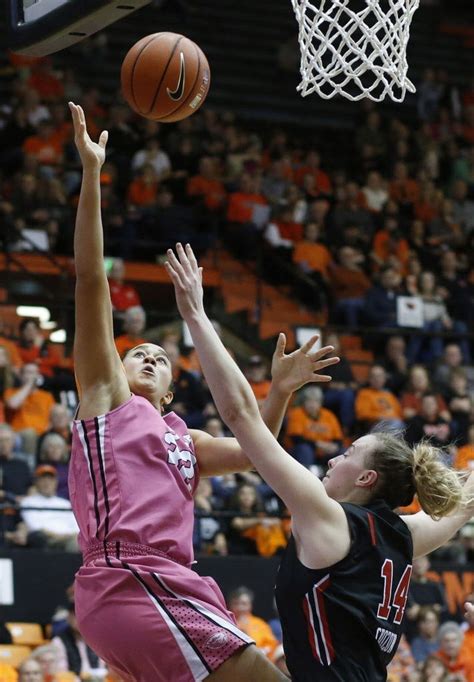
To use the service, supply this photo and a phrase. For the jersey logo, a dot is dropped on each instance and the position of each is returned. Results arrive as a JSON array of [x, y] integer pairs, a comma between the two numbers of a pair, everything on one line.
[[184, 459], [178, 92]]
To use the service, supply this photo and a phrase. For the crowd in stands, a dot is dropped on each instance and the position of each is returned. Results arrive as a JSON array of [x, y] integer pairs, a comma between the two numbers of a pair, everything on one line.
[[353, 231]]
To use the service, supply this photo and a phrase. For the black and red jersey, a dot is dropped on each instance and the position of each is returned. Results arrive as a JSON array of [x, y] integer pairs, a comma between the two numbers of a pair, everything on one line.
[[343, 623]]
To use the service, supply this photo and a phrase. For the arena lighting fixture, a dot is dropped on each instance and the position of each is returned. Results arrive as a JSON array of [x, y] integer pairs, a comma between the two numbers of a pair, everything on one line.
[[59, 336], [39, 312]]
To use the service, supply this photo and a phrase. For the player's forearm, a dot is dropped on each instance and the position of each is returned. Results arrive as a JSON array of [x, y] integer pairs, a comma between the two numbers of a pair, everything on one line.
[[274, 409], [15, 401], [88, 235], [231, 391]]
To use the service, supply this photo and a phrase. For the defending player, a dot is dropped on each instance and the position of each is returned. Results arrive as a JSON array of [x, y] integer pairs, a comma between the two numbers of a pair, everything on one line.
[[343, 581], [132, 477]]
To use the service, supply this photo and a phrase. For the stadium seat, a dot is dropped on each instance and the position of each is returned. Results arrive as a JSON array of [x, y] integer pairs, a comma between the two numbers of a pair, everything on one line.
[[14, 654], [30, 634]]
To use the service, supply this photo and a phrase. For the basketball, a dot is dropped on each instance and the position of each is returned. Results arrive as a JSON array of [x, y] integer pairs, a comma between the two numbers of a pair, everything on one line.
[[165, 77]]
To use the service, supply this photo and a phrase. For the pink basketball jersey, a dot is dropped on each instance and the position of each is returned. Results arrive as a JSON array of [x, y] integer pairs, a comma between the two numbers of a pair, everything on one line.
[[131, 479]]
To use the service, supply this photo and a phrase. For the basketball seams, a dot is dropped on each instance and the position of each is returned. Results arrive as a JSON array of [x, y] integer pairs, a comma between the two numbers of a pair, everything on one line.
[[132, 73], [157, 92], [191, 92]]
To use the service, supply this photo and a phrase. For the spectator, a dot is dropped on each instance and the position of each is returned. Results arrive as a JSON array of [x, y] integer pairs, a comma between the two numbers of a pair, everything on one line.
[[256, 372], [206, 188], [59, 423], [190, 398], [52, 525], [403, 189], [314, 432], [339, 394], [134, 322], [29, 671], [283, 233], [54, 450], [73, 652], [248, 509], [28, 407], [423, 592], [453, 287], [402, 666], [460, 405], [426, 642], [143, 190], [275, 183], [395, 363], [209, 537], [380, 305], [464, 460], [240, 602], [450, 651], [452, 359], [47, 656], [418, 386], [123, 296], [154, 156], [463, 207], [33, 347], [311, 256], [349, 284], [244, 215], [434, 670], [311, 166], [429, 424], [349, 212], [376, 403], [15, 474], [375, 192], [45, 147], [388, 243], [45, 82]]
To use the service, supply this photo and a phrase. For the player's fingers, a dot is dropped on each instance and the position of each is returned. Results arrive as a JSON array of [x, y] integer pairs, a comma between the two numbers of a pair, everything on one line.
[[321, 364], [175, 263], [280, 346], [318, 378], [191, 257], [183, 256], [306, 347], [175, 278], [82, 116], [321, 352], [104, 136]]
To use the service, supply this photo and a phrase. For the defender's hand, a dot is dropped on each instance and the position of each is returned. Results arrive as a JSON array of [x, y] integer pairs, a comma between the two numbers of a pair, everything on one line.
[[291, 372]]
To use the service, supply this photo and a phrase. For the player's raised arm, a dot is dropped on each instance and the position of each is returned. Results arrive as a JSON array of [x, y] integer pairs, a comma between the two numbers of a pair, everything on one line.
[[101, 380], [302, 492]]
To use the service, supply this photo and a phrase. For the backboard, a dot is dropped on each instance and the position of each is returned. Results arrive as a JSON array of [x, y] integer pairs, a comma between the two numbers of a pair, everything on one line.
[[40, 27]]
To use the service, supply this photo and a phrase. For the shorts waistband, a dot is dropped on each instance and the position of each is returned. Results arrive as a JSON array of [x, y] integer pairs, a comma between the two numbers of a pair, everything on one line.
[[123, 550]]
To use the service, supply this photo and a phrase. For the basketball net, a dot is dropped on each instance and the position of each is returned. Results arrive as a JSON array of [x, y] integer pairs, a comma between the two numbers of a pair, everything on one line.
[[356, 53]]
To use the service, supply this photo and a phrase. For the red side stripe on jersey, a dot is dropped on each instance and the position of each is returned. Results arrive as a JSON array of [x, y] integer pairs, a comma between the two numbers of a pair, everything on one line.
[[321, 610], [373, 532], [311, 634]]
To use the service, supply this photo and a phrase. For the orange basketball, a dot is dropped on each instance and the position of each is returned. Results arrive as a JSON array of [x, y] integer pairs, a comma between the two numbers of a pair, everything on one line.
[[165, 77]]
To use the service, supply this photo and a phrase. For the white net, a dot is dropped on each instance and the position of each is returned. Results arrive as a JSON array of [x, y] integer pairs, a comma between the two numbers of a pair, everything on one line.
[[355, 48]]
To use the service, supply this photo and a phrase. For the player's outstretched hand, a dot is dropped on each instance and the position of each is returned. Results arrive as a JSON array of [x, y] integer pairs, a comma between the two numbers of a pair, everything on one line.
[[92, 153], [291, 372], [186, 276]]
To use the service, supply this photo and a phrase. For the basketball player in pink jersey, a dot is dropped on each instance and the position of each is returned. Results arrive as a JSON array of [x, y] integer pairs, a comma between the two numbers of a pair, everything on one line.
[[132, 476]]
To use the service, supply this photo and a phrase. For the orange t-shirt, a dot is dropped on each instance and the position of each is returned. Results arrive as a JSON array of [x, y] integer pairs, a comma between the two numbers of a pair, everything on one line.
[[124, 343], [142, 193], [465, 458], [47, 151], [8, 673], [325, 427], [240, 209], [346, 283], [213, 191], [372, 405], [406, 191], [260, 389], [463, 664], [384, 246], [260, 631], [46, 363], [33, 413], [414, 401], [316, 256], [322, 183]]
